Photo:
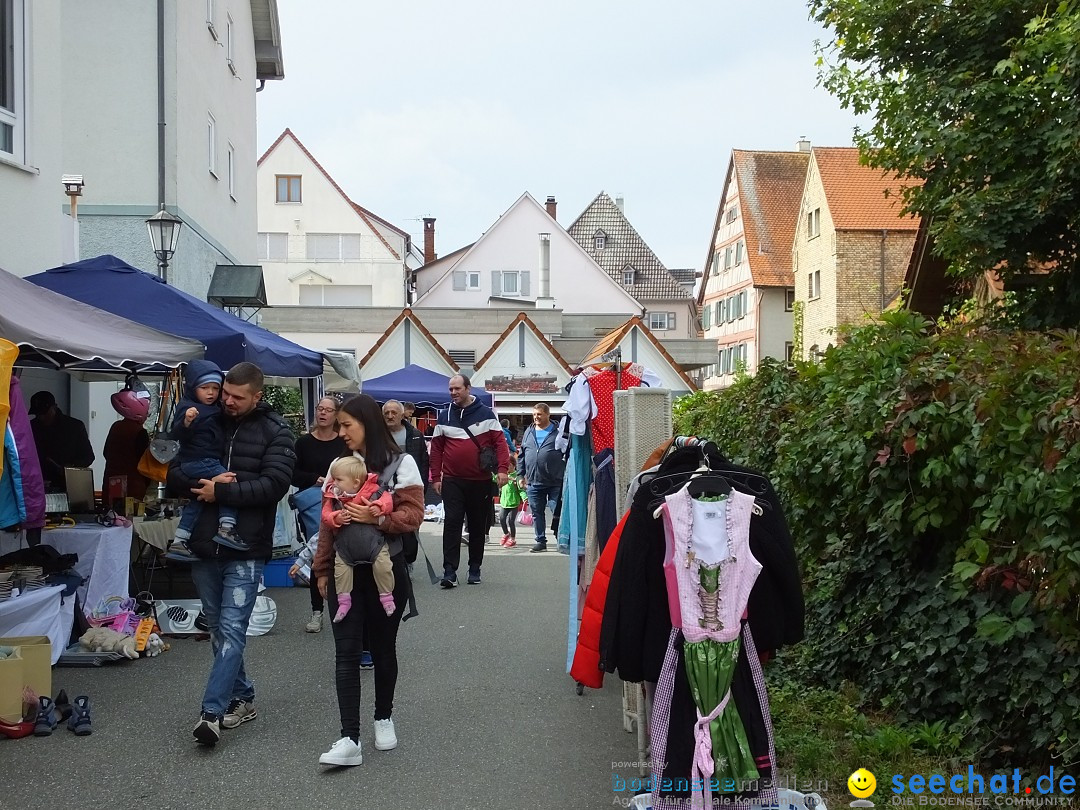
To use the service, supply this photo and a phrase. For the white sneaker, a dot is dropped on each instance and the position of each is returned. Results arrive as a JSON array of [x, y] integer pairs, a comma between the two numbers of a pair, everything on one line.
[[315, 625], [344, 752], [385, 737]]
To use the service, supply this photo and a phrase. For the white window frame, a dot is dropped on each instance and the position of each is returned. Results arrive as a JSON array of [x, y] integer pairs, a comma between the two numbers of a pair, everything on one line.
[[599, 241], [663, 322], [229, 53], [813, 223], [814, 285], [211, 144], [288, 178], [230, 169], [472, 280], [628, 277], [789, 352], [516, 276], [15, 116]]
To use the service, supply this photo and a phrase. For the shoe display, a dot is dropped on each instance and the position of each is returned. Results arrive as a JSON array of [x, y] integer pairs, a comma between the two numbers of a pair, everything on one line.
[[474, 576], [208, 730], [79, 722], [385, 736], [239, 711], [538, 547], [45, 723], [344, 752], [315, 625], [366, 661], [449, 579]]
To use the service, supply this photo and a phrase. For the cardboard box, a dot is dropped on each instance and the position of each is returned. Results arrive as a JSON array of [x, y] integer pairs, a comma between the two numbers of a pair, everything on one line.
[[11, 685], [36, 670]]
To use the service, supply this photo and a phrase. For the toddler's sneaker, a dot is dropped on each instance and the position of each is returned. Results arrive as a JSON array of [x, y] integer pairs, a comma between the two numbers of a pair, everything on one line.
[[227, 536], [178, 550]]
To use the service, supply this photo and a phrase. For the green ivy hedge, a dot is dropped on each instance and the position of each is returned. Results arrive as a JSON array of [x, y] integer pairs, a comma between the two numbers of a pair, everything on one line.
[[931, 479]]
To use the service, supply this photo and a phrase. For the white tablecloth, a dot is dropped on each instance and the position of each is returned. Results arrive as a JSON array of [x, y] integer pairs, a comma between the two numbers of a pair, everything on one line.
[[104, 554], [40, 612]]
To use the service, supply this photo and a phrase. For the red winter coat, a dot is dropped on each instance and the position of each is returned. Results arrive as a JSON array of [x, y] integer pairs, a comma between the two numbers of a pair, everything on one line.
[[586, 667]]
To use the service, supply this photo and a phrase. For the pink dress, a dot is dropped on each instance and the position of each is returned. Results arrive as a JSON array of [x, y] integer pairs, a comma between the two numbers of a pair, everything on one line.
[[710, 572]]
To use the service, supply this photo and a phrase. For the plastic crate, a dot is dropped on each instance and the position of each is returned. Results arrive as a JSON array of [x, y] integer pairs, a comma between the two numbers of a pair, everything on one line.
[[276, 573]]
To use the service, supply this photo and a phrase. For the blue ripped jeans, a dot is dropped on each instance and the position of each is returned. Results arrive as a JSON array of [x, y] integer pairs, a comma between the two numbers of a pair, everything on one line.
[[227, 589]]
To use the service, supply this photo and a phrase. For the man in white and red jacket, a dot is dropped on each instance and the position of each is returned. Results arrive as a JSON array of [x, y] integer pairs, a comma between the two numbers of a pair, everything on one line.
[[466, 434]]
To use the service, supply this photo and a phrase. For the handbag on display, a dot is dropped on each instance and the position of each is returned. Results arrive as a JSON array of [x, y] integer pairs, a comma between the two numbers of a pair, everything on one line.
[[154, 463]]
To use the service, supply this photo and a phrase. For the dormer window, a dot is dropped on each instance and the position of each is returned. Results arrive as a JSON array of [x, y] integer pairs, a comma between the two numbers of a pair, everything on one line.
[[627, 276], [599, 240]]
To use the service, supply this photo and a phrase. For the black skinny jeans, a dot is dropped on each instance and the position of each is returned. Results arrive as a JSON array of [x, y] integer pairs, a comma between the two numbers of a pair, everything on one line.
[[508, 520], [367, 614], [317, 603]]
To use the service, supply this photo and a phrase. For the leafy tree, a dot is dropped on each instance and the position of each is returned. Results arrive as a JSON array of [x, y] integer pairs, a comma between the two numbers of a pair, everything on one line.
[[979, 100]]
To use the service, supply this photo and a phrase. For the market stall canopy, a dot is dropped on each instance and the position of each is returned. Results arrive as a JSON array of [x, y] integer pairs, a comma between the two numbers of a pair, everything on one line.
[[113, 285], [420, 386], [53, 331]]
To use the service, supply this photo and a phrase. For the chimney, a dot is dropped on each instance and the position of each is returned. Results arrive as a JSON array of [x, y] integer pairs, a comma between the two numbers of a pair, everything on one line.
[[803, 144], [429, 240], [550, 206], [543, 296], [620, 204]]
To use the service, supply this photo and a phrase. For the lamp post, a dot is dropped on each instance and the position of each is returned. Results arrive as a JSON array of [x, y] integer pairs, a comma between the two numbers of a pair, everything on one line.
[[164, 231]]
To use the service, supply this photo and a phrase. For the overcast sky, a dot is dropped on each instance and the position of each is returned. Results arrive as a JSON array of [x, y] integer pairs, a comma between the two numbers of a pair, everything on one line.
[[453, 109]]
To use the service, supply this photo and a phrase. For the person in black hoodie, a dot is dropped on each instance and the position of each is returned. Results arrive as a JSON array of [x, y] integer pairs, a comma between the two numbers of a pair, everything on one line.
[[259, 453], [197, 426]]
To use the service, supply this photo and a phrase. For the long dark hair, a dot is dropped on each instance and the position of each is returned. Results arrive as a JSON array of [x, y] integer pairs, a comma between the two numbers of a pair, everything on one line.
[[379, 446]]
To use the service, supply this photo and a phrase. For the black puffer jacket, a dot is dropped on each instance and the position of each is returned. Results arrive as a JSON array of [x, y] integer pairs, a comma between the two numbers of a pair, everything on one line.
[[259, 449]]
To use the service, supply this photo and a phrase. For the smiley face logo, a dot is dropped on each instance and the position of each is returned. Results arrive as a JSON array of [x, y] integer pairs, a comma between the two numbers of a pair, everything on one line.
[[861, 783]]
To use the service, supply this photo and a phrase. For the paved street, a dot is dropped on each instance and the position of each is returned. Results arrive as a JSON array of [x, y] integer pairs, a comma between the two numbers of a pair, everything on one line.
[[486, 716]]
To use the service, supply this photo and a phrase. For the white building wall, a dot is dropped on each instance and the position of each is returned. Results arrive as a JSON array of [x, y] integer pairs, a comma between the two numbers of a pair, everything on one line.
[[636, 348], [34, 233], [507, 359], [578, 284], [392, 356], [322, 209], [775, 323], [114, 143]]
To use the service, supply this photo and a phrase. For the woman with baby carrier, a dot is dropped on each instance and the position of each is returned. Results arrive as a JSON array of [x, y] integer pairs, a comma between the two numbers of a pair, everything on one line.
[[362, 426]]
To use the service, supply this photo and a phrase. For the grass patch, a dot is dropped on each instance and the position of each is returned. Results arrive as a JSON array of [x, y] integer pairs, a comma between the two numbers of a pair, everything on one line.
[[822, 737]]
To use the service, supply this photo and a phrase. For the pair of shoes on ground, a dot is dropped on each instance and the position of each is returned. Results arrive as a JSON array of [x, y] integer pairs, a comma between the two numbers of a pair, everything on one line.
[[51, 712], [449, 578], [208, 730], [508, 541], [347, 752], [315, 625]]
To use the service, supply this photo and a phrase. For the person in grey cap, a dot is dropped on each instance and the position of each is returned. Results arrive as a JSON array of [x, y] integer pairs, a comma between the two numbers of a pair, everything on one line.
[[61, 440]]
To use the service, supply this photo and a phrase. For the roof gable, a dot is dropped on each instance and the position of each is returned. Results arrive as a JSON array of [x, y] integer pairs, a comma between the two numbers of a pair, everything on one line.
[[861, 198], [406, 341], [368, 218], [512, 362], [527, 206], [622, 246], [640, 345], [770, 192]]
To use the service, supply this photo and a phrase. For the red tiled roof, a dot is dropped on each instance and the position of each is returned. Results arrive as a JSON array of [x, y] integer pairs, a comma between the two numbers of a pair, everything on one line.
[[408, 313], [522, 318], [861, 198], [770, 191], [363, 213]]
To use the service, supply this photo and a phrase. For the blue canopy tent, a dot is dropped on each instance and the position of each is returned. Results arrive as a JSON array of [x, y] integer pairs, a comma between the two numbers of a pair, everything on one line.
[[418, 385], [113, 285]]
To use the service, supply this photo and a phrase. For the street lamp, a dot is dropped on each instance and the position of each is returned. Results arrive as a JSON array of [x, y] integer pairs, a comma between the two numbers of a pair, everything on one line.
[[164, 232]]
